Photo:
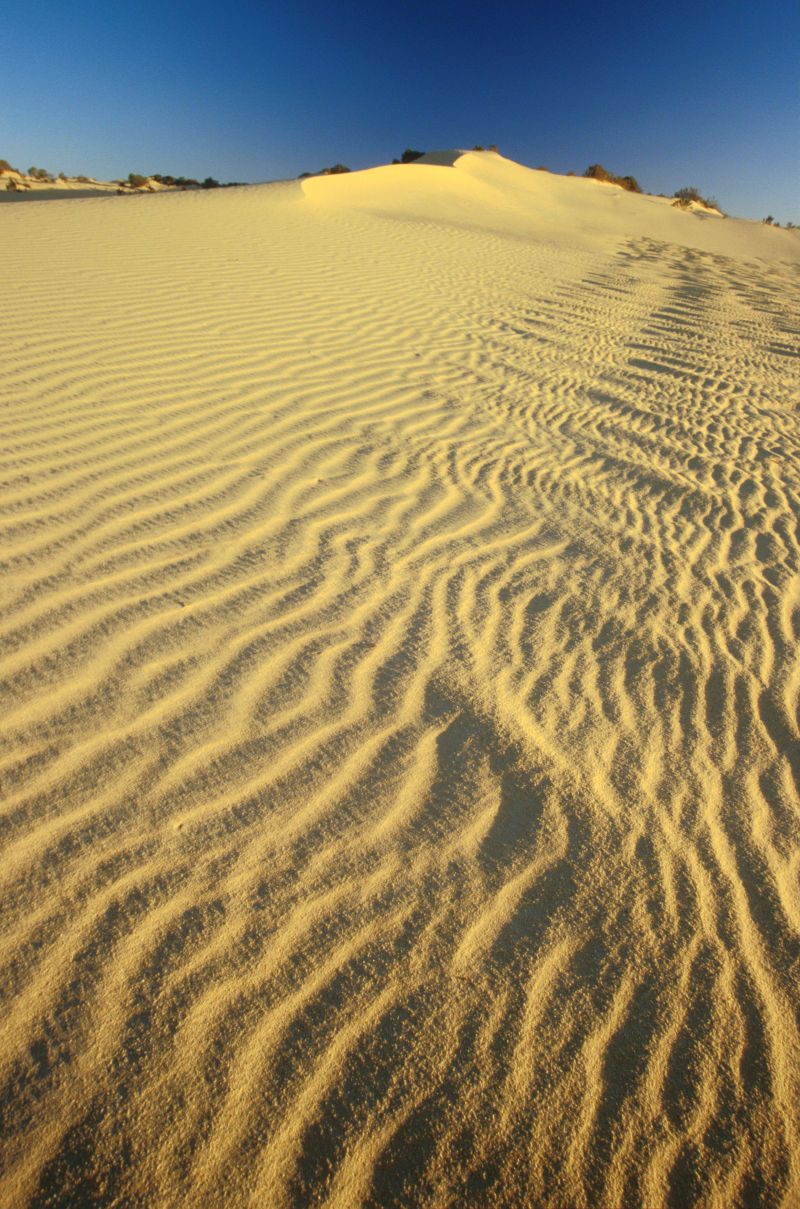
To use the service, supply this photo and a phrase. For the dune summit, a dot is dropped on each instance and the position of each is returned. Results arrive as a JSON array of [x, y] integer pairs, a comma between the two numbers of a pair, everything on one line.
[[399, 678]]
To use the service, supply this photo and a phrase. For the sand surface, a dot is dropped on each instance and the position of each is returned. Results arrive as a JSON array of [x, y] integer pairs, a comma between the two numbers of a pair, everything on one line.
[[399, 674]]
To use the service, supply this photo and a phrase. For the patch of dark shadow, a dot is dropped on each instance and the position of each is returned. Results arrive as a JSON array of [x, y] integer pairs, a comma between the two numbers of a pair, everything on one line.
[[194, 924], [653, 881], [540, 602], [660, 367], [716, 699], [783, 350], [399, 668], [362, 1089], [624, 1067], [765, 1182], [782, 810], [768, 549], [683, 1080], [674, 317], [479, 1185], [514, 829], [686, 1178], [402, 1174], [689, 699], [754, 1066], [608, 636], [764, 905], [783, 736], [521, 936], [79, 1176], [315, 1025]]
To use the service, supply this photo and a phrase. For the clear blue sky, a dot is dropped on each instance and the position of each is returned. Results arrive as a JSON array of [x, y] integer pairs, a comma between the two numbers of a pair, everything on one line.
[[703, 93]]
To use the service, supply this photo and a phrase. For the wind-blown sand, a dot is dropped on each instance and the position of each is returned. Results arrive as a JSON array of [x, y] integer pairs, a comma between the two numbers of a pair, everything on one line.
[[400, 665]]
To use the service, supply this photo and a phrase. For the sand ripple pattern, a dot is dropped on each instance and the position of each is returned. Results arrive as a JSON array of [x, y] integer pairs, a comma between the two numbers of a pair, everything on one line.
[[399, 675]]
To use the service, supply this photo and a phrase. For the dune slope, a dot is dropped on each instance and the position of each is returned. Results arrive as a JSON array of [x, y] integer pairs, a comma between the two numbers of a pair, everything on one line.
[[399, 678]]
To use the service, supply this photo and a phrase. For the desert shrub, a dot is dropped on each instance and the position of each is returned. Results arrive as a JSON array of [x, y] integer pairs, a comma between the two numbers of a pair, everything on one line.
[[477, 147], [62, 176], [210, 183], [39, 174], [597, 172], [409, 156], [769, 220], [6, 167], [690, 194], [682, 203], [136, 180]]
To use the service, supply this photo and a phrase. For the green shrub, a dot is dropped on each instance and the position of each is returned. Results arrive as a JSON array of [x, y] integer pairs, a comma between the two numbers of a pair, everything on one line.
[[136, 180]]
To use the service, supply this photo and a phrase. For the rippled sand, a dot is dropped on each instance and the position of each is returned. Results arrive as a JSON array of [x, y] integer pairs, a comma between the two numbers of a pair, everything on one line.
[[399, 671]]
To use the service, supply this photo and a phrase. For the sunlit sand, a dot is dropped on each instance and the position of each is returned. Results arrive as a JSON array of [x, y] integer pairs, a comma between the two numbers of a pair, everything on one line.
[[399, 673]]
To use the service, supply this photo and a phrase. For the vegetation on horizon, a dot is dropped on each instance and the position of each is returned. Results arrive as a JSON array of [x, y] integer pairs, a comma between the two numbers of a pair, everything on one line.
[[597, 172], [682, 198]]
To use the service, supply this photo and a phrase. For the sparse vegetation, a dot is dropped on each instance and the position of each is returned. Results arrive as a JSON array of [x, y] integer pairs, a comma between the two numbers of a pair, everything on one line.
[[769, 220], [136, 180], [409, 156], [39, 174], [336, 170], [181, 182], [597, 172], [6, 167], [689, 194]]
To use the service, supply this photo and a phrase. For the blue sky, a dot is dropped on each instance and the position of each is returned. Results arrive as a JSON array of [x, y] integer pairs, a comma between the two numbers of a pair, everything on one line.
[[701, 93]]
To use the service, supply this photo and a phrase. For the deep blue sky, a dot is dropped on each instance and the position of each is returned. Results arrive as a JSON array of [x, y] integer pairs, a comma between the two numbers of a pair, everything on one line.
[[702, 93]]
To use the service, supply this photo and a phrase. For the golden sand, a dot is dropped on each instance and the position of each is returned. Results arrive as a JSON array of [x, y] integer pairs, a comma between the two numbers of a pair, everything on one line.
[[399, 673]]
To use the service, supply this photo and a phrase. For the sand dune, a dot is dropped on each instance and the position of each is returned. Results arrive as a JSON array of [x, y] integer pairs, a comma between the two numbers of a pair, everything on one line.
[[399, 672]]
